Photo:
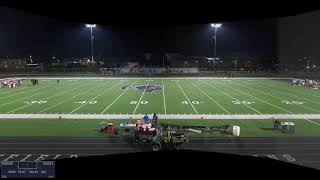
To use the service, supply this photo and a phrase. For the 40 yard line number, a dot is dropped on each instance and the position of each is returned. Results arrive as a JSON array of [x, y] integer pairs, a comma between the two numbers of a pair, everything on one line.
[[193, 102]]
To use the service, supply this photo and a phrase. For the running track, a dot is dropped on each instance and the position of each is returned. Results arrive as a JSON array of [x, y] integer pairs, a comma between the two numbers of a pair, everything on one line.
[[302, 151]]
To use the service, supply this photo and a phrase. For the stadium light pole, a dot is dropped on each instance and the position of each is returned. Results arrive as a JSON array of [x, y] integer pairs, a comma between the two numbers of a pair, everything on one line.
[[215, 26], [91, 26]]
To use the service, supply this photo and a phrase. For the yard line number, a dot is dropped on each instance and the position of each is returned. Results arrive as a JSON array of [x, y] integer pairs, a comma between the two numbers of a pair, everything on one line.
[[293, 102], [86, 102], [36, 102], [141, 102], [242, 102], [193, 102]]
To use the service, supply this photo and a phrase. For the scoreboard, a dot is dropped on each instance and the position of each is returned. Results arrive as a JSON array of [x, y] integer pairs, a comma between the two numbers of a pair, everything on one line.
[[27, 169]]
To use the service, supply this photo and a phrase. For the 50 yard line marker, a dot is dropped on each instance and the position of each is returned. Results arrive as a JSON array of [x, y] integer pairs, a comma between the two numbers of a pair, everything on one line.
[[187, 97], [141, 96], [164, 98], [117, 98]]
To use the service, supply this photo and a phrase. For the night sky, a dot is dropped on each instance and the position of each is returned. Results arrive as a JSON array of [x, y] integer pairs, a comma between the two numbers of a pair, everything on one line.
[[24, 34]]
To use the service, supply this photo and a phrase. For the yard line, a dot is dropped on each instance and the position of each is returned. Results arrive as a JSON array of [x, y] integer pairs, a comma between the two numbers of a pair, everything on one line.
[[212, 99], [233, 98], [141, 96], [294, 91], [164, 98], [297, 104], [117, 98], [94, 98], [261, 100], [16, 89], [312, 121], [66, 100], [22, 98], [291, 94], [43, 99], [282, 99], [25, 92], [279, 98], [186, 97]]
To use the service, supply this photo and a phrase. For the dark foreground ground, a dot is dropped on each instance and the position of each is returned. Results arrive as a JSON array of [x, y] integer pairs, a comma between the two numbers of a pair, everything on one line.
[[301, 151]]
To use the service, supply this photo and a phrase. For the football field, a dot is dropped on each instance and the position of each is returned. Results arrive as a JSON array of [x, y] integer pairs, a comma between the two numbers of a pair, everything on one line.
[[164, 96], [85, 104]]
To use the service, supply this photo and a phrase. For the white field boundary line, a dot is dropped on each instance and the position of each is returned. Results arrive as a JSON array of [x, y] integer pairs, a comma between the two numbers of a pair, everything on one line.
[[117, 98], [168, 116], [186, 97], [278, 98], [64, 88], [270, 104], [212, 99], [233, 98], [116, 84], [164, 98], [28, 96], [135, 109], [311, 121], [88, 78], [286, 100]]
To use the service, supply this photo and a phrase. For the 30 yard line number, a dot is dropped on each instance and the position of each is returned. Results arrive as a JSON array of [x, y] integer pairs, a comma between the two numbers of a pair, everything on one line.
[[87, 102], [242, 102], [293, 102], [36, 102]]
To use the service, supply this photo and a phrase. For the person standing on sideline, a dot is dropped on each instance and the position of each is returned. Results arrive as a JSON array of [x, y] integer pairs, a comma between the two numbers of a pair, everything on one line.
[[146, 118], [154, 120]]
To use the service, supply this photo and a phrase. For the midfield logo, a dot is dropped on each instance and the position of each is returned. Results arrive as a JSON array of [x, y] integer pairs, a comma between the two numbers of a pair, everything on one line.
[[143, 87]]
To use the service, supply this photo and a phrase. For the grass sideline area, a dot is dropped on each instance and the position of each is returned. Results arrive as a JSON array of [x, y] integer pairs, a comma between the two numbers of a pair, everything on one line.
[[89, 128]]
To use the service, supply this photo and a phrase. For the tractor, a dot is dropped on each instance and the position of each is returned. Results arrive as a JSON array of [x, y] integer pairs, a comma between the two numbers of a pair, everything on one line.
[[169, 140]]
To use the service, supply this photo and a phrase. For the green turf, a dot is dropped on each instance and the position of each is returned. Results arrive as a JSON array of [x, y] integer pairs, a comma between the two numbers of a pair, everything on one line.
[[89, 127], [181, 97]]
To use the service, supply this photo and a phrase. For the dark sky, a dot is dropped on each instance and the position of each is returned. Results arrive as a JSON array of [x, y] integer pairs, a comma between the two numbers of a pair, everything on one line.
[[23, 34]]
